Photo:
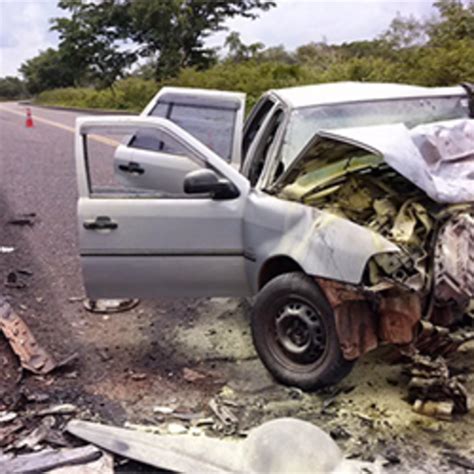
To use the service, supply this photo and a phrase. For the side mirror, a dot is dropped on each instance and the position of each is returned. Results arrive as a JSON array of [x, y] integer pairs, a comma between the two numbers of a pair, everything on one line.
[[206, 181]]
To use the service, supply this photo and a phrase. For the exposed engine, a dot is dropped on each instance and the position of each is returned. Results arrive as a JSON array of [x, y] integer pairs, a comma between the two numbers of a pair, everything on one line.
[[437, 241]]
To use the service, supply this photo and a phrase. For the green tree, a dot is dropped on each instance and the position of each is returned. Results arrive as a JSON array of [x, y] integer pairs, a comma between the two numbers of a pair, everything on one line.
[[170, 32], [405, 32], [11, 88], [238, 51], [89, 40], [48, 70], [455, 22]]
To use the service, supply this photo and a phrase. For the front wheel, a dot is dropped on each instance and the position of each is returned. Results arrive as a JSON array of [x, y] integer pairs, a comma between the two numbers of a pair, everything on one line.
[[294, 333]]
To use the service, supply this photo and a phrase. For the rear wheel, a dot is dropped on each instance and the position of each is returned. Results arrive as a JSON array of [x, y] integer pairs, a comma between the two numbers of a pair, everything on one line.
[[295, 335]]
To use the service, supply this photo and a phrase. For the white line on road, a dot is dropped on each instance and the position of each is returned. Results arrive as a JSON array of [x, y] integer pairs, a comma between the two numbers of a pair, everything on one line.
[[97, 138]]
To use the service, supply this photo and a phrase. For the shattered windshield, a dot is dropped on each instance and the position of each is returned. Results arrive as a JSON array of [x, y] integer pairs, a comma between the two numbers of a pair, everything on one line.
[[305, 122]]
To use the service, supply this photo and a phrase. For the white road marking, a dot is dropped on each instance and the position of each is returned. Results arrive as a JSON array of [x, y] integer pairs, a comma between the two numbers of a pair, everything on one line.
[[97, 138]]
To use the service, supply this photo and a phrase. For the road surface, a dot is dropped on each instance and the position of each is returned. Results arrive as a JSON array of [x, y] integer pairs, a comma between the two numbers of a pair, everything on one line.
[[130, 362]]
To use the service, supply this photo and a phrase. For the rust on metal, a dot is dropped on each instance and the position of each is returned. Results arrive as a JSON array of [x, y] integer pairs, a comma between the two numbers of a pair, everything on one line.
[[32, 356], [365, 319]]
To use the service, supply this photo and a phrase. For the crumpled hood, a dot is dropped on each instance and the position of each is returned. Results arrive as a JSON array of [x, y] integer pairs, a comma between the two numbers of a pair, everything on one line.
[[437, 157]]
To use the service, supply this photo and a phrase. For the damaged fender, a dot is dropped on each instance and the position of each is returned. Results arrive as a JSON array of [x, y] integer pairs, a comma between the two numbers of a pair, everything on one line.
[[321, 243]]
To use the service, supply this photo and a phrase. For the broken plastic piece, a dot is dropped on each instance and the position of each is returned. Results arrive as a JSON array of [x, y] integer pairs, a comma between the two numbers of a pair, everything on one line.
[[32, 356], [285, 445], [110, 306]]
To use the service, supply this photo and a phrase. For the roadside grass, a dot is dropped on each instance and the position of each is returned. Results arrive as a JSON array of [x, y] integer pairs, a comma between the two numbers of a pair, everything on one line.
[[129, 94]]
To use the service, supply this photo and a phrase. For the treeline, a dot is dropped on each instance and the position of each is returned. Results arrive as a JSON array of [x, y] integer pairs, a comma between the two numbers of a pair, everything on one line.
[[434, 52]]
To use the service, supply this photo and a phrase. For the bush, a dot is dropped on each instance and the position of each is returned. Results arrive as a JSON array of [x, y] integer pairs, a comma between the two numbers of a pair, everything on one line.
[[129, 94]]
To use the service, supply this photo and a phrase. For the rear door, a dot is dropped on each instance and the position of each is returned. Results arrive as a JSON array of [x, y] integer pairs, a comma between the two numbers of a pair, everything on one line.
[[215, 118], [137, 242]]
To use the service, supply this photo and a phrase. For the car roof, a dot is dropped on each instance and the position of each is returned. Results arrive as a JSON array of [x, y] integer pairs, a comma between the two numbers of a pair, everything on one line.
[[342, 92]]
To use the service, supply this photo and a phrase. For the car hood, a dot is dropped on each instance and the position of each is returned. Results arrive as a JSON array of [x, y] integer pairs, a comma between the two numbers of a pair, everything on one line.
[[437, 157]]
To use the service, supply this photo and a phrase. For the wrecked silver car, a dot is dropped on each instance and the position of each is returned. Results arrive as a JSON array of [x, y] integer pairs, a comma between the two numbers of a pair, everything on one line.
[[367, 231]]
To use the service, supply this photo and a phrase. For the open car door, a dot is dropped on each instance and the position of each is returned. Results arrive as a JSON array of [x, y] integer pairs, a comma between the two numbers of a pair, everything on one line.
[[137, 242], [215, 118]]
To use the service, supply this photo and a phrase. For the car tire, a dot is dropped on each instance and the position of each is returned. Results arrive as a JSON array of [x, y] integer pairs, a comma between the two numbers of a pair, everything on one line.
[[294, 333]]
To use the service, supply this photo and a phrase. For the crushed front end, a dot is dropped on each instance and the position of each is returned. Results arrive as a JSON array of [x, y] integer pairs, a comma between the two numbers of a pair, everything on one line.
[[416, 189]]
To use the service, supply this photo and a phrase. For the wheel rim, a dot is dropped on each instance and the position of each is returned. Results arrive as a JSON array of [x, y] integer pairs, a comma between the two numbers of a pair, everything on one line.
[[299, 334]]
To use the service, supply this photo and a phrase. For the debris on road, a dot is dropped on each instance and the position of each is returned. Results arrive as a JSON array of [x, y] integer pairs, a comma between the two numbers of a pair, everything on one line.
[[285, 445], [7, 249], [32, 356], [433, 391], [14, 280], [104, 306], [63, 409], [162, 410], [37, 436], [6, 417], [25, 219], [440, 341], [228, 422], [191, 375], [48, 459]]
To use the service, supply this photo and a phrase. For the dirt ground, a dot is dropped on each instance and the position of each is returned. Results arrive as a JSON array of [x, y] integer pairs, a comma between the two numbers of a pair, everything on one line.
[[130, 363]]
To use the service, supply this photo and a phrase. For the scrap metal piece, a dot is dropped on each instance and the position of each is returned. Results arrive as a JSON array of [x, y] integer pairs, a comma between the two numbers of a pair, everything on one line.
[[48, 459], [365, 319], [104, 306], [430, 381], [28, 218], [32, 356], [399, 314], [440, 341]]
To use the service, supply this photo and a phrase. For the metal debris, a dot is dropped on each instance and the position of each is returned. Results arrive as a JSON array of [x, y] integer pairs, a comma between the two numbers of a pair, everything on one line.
[[162, 410], [366, 318], [103, 465], [32, 356], [440, 341], [37, 436], [25, 219], [14, 280], [191, 375], [104, 306], [47, 459], [62, 409], [433, 391], [7, 416], [228, 421]]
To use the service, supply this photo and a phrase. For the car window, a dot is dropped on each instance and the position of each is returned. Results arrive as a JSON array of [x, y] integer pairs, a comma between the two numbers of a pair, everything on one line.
[[212, 126], [266, 141], [109, 176], [254, 124]]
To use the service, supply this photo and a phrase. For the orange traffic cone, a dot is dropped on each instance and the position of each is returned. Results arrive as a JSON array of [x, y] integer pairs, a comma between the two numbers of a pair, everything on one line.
[[29, 119]]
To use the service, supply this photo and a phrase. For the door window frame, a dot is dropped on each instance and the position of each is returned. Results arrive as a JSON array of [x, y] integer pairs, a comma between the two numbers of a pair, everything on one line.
[[199, 153]]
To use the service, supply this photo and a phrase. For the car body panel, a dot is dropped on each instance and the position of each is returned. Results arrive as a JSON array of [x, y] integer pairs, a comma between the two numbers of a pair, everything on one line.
[[160, 246], [321, 243]]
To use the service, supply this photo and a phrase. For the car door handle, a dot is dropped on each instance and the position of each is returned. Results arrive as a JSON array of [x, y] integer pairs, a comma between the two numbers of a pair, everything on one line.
[[132, 168], [100, 223]]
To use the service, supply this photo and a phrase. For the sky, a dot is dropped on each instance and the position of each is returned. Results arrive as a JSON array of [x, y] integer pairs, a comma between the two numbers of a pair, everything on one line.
[[24, 24]]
